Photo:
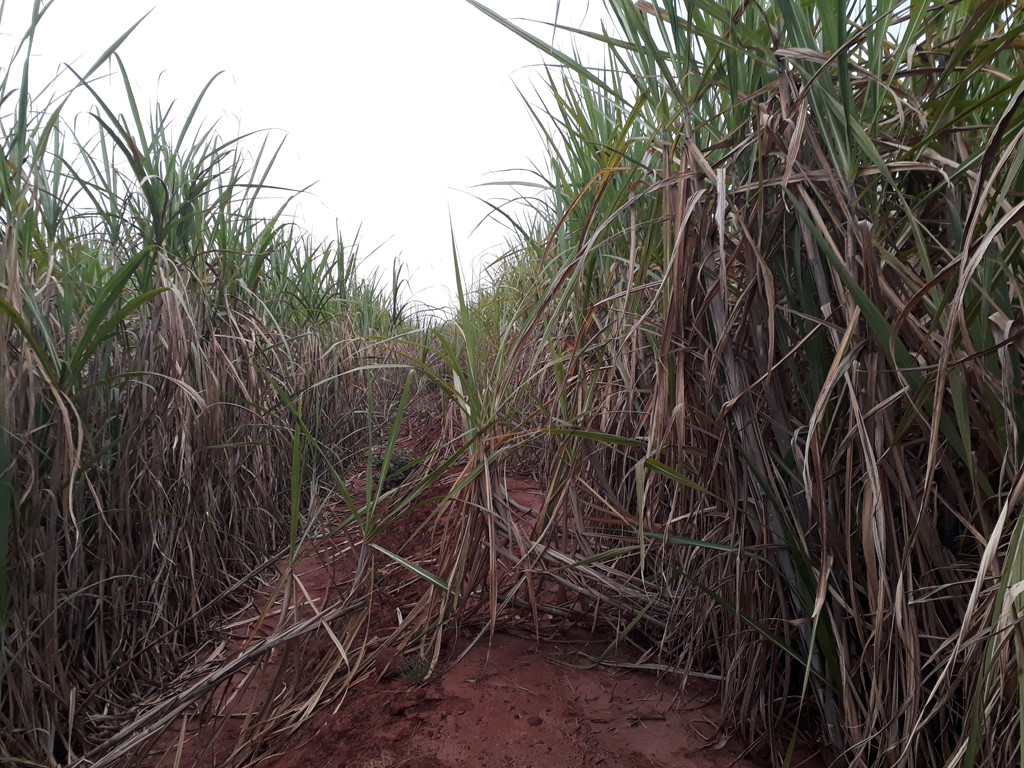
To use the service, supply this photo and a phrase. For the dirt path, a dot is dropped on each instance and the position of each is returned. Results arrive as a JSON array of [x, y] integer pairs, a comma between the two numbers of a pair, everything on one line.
[[517, 703], [508, 701]]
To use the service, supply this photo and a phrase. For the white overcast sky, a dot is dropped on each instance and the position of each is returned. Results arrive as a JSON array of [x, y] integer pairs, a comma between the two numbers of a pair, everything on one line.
[[397, 110]]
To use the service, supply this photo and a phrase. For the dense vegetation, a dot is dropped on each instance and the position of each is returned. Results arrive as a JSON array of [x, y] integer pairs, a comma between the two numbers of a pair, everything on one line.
[[781, 298], [761, 333], [169, 355]]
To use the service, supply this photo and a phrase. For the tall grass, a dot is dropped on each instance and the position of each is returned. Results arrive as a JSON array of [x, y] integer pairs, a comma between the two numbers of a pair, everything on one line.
[[778, 359], [761, 337], [164, 344]]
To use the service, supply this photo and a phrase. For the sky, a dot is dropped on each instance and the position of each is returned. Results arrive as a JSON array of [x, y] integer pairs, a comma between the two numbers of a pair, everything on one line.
[[397, 112]]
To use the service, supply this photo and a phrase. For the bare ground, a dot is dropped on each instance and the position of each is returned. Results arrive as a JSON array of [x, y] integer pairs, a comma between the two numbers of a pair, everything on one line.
[[511, 699]]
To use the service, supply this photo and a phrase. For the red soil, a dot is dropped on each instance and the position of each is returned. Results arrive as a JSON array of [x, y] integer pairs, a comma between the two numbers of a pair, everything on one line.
[[515, 702]]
